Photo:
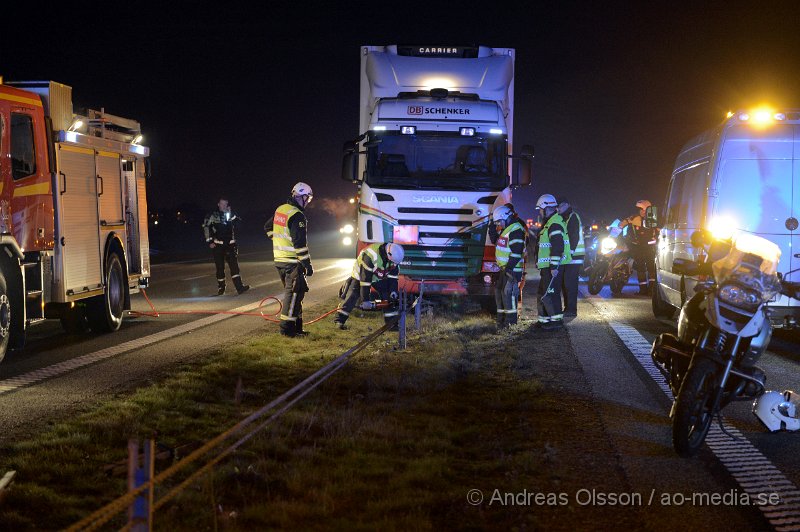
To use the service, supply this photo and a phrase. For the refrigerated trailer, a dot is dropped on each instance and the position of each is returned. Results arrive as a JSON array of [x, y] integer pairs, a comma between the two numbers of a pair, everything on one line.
[[73, 212], [436, 130]]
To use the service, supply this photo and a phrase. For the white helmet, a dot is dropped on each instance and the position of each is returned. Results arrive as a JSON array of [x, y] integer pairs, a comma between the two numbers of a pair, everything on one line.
[[302, 193], [501, 213], [643, 204], [395, 252], [778, 410], [546, 200]]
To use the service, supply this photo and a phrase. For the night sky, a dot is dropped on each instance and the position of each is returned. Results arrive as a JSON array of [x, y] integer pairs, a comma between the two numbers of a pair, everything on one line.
[[244, 100]]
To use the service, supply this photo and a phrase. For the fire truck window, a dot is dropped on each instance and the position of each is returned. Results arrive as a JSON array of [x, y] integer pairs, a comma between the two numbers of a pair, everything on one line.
[[23, 155]]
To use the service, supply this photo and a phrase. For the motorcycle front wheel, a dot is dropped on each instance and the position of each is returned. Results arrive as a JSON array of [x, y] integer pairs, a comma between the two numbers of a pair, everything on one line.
[[617, 284], [596, 279], [693, 414]]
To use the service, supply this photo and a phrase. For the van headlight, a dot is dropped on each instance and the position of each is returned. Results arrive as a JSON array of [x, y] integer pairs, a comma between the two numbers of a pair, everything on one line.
[[608, 245], [740, 297]]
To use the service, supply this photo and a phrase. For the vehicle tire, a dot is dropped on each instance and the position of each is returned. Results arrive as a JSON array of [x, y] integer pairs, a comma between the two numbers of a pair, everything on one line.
[[596, 279], [105, 312], [74, 320], [661, 309], [5, 315], [693, 414], [617, 284]]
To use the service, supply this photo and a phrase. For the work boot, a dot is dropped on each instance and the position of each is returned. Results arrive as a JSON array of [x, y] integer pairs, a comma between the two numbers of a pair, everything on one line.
[[340, 324], [243, 289], [240, 288], [220, 287], [299, 328], [553, 325]]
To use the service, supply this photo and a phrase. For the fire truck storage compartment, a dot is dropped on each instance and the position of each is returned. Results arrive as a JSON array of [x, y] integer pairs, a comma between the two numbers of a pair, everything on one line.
[[110, 183], [78, 223]]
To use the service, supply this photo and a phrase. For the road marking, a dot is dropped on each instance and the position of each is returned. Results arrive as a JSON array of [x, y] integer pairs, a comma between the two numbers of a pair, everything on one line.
[[753, 471], [33, 377], [196, 277]]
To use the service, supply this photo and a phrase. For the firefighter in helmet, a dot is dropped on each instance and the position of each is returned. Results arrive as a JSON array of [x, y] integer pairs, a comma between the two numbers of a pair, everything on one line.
[[377, 266], [552, 253], [219, 228], [509, 253], [642, 243], [288, 229]]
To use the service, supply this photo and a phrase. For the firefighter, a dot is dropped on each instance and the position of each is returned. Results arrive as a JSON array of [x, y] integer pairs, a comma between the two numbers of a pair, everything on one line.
[[377, 266], [553, 252], [642, 243], [288, 229], [219, 228], [509, 253], [578, 250]]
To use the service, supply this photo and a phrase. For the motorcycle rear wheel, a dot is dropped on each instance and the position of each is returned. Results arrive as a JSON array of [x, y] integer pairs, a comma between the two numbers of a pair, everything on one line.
[[693, 415]]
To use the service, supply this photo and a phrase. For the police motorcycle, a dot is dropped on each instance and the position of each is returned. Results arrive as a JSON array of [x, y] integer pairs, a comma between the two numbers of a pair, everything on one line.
[[613, 263], [723, 329]]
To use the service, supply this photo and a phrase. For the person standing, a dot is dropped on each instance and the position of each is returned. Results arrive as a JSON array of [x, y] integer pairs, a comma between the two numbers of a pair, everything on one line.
[[577, 248], [288, 229], [642, 242], [509, 253], [219, 228], [378, 266], [553, 252]]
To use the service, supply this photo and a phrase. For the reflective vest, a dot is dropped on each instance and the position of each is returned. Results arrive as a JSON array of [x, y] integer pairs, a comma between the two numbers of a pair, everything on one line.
[[283, 249], [502, 251], [543, 260], [379, 269], [580, 249]]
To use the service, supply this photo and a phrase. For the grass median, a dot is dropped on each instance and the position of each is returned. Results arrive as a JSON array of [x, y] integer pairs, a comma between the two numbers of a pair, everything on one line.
[[395, 440]]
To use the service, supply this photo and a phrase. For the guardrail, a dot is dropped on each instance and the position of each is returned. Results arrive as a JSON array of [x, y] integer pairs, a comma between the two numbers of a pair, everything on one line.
[[140, 500]]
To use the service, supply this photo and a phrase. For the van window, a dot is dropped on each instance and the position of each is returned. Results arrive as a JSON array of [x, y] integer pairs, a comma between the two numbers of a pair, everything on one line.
[[23, 154], [687, 196], [674, 210]]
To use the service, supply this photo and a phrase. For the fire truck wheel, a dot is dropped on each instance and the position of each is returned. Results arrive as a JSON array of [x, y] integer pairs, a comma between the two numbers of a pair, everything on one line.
[[105, 312], [5, 316]]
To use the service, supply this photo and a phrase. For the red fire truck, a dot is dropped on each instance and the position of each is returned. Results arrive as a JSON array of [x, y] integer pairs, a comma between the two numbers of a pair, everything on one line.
[[73, 212]]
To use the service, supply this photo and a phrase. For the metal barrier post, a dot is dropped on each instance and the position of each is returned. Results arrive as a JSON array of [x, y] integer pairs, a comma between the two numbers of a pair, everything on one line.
[[418, 307], [140, 513], [401, 322]]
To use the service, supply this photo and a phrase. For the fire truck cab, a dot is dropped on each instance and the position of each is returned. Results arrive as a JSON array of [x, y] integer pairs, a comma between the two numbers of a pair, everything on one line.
[[73, 213]]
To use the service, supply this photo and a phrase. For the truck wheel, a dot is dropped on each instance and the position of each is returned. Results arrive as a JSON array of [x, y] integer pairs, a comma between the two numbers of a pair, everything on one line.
[[661, 309], [5, 316], [105, 312]]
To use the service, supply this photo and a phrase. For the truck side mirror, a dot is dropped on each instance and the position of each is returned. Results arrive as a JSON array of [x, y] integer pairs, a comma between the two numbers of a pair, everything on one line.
[[350, 162], [523, 167], [651, 217]]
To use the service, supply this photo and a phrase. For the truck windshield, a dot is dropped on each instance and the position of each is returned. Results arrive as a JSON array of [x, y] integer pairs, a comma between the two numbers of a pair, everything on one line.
[[437, 161]]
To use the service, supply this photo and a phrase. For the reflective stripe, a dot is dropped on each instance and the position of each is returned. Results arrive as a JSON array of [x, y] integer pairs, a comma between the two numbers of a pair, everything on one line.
[[390, 314], [343, 312], [554, 233], [283, 248], [291, 305], [363, 283], [235, 276], [300, 250], [544, 319], [284, 317], [556, 317], [303, 257], [391, 277]]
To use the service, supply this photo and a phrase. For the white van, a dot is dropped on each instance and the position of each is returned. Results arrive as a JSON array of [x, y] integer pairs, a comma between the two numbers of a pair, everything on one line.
[[743, 175]]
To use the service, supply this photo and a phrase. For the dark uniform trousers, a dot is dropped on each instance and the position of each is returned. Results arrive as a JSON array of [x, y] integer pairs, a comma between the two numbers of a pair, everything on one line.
[[549, 295], [644, 256], [570, 284], [229, 253], [294, 290], [506, 298]]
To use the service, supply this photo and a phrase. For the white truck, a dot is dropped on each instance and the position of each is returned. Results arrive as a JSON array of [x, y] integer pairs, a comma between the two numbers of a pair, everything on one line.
[[73, 212], [743, 175], [436, 125]]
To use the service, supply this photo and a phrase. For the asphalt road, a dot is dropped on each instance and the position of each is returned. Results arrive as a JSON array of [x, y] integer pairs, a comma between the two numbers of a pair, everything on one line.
[[635, 412], [148, 344]]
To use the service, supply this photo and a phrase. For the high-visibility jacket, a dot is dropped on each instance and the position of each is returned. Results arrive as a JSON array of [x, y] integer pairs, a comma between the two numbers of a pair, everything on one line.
[[510, 247], [372, 267], [575, 234], [220, 227], [289, 239], [553, 244]]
